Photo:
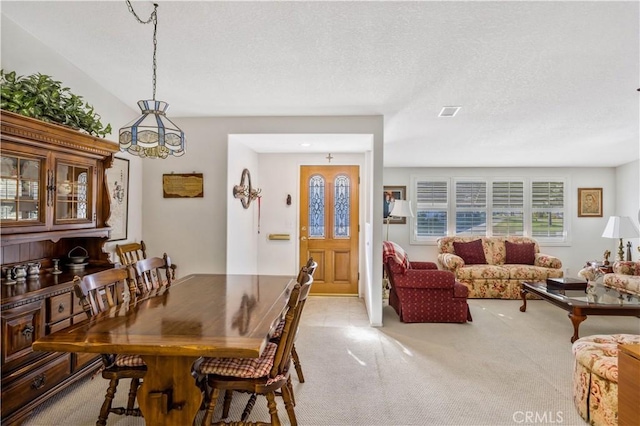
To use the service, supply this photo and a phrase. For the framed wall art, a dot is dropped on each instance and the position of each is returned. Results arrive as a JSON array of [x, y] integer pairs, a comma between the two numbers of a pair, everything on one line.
[[589, 202], [392, 193], [183, 185], [118, 187]]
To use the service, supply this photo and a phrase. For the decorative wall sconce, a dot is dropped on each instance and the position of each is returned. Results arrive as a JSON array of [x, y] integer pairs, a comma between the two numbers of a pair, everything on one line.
[[245, 192]]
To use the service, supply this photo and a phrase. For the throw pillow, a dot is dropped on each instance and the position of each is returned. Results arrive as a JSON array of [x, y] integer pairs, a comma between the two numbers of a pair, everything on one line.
[[471, 252], [520, 254], [638, 267]]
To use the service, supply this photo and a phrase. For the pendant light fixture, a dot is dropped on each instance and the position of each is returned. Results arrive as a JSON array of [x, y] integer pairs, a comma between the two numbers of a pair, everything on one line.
[[152, 135]]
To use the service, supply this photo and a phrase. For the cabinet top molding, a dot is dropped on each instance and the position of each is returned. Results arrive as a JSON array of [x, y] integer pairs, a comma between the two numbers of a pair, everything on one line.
[[33, 131]]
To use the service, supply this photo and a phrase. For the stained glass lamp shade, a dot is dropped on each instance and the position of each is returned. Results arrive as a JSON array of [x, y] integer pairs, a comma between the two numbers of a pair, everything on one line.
[[152, 135]]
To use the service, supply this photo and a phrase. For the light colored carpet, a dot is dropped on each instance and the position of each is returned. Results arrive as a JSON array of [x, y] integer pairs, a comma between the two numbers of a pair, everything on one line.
[[499, 369]]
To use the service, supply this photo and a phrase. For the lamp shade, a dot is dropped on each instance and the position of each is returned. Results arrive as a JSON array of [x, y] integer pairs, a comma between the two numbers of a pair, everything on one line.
[[401, 208], [152, 135], [620, 227]]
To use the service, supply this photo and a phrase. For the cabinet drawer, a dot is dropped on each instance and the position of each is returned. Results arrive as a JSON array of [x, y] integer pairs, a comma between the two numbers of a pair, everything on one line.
[[82, 359], [35, 383], [21, 327], [59, 325], [78, 318], [59, 307]]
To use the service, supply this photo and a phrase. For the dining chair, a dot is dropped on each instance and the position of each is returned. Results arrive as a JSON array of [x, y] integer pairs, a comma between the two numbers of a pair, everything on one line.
[[99, 292], [264, 375], [130, 253], [310, 269], [152, 273], [304, 277]]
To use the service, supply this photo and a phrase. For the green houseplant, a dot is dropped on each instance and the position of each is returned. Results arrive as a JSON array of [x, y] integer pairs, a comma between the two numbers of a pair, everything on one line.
[[40, 96]]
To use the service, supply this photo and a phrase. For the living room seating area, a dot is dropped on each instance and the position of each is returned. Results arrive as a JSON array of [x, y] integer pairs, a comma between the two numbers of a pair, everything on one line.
[[625, 277], [494, 267]]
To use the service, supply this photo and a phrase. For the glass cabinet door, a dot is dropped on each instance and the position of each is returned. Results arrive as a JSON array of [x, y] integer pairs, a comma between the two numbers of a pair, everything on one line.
[[20, 190], [73, 193]]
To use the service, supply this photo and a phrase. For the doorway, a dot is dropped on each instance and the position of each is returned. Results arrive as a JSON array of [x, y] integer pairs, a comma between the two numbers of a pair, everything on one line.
[[329, 226]]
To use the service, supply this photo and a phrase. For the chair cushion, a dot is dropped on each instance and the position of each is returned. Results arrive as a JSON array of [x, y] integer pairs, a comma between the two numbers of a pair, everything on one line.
[[129, 361], [391, 250], [521, 254], [472, 252], [248, 368], [279, 329]]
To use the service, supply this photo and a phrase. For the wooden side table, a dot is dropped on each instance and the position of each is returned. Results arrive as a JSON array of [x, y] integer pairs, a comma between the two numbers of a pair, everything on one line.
[[628, 385]]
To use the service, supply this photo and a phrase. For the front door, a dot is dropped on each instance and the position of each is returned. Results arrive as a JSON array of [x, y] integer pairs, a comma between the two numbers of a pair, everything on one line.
[[329, 226]]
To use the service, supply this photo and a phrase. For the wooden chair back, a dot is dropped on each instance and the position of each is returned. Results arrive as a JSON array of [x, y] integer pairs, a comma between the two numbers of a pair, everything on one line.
[[102, 290], [311, 266], [132, 252], [153, 273], [299, 294]]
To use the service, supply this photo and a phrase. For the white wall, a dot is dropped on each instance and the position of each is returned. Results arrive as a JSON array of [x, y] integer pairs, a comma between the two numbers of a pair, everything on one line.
[[242, 224], [26, 55], [194, 231], [586, 242], [628, 200], [281, 257]]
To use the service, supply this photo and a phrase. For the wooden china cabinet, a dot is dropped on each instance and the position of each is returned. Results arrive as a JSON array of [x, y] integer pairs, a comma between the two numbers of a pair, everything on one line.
[[53, 199]]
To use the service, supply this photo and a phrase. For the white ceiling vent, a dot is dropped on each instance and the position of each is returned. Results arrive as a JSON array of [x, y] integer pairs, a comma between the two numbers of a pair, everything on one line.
[[449, 111]]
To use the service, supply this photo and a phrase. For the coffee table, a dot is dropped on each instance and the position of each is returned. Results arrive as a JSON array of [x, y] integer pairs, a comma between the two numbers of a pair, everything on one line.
[[604, 301]]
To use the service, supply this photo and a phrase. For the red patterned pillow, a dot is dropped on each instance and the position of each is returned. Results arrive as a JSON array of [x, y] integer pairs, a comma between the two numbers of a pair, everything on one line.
[[520, 254], [638, 267], [471, 252]]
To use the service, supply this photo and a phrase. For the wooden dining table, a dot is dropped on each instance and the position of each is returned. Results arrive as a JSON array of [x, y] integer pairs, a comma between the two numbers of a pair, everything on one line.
[[200, 315]]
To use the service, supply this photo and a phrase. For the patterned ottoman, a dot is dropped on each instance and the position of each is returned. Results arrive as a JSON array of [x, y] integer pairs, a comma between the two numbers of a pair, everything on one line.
[[595, 376]]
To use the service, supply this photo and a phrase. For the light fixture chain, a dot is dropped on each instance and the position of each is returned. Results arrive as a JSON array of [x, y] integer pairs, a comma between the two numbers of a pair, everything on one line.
[[153, 18]]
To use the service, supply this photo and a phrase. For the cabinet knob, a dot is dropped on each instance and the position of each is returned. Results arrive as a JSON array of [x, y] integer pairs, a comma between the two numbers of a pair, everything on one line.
[[28, 331], [38, 381], [61, 308]]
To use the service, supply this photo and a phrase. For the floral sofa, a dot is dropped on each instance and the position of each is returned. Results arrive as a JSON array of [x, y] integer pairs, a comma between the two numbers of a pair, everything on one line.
[[595, 376], [494, 267], [625, 277]]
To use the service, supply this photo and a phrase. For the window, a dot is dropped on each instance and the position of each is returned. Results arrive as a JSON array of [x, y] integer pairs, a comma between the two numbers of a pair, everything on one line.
[[432, 204], [507, 215], [471, 207], [489, 206], [547, 210]]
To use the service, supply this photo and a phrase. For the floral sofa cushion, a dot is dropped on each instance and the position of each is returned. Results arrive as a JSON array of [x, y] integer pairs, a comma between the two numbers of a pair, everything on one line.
[[497, 279], [595, 376], [625, 277]]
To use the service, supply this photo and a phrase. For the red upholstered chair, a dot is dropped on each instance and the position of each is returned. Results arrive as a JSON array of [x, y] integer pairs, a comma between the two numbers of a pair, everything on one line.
[[422, 293]]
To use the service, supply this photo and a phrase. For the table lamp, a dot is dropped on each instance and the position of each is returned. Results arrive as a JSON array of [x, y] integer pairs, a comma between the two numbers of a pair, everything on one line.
[[401, 208], [620, 227]]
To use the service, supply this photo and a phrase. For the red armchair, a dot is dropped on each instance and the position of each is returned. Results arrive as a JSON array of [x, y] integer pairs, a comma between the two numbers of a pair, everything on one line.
[[422, 293]]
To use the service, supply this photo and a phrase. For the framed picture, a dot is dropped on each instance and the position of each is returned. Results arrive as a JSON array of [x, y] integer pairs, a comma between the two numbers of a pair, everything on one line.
[[589, 202], [392, 193], [118, 187]]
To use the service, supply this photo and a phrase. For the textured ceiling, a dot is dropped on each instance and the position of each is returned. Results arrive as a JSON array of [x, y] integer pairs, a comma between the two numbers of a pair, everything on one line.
[[539, 83]]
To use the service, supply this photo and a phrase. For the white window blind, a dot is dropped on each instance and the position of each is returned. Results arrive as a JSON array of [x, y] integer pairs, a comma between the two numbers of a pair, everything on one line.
[[432, 201], [534, 207], [547, 209], [471, 207], [507, 210]]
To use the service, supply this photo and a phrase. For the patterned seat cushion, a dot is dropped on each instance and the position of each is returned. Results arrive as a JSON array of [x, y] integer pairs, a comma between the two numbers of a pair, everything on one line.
[[248, 368], [595, 377], [129, 361], [279, 329]]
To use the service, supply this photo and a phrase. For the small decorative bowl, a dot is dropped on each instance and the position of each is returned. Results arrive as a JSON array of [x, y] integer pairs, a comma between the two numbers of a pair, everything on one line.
[[76, 258]]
